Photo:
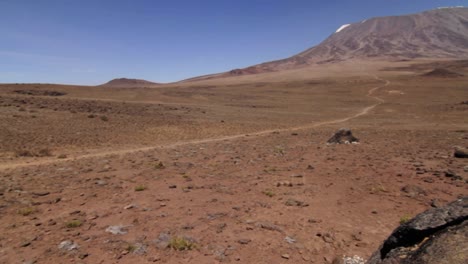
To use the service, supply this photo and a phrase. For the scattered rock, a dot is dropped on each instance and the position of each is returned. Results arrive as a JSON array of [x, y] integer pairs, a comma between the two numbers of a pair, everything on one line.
[[117, 230], [437, 235], [461, 153], [284, 183], [139, 249], [244, 241], [294, 202], [130, 206], [163, 240], [413, 190], [343, 136], [436, 203], [269, 226], [41, 193], [25, 244], [353, 260], [328, 238], [290, 240], [68, 245], [285, 256], [101, 182], [453, 175]]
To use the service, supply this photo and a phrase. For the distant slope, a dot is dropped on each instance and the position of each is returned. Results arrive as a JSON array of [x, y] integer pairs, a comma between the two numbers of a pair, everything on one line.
[[439, 33], [124, 82]]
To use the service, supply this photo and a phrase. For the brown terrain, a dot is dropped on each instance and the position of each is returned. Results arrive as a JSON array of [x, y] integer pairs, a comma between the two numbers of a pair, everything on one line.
[[234, 169]]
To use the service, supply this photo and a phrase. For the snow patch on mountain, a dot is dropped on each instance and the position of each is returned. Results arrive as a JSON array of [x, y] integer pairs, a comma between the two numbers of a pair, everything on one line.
[[342, 27]]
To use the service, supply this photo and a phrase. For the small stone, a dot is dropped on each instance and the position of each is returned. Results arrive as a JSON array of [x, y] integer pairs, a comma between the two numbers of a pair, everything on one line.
[[314, 221], [25, 244], [461, 153], [290, 240], [172, 186], [328, 238], [68, 245], [269, 226], [101, 182], [285, 256], [244, 241], [163, 240], [117, 230], [436, 203], [294, 202], [41, 193], [130, 206]]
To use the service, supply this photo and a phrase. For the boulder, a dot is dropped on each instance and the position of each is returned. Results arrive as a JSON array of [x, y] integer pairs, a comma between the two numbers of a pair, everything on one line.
[[343, 136], [438, 235]]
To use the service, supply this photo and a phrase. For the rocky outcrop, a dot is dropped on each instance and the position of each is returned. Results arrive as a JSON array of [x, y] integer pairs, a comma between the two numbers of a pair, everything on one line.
[[343, 136], [438, 235]]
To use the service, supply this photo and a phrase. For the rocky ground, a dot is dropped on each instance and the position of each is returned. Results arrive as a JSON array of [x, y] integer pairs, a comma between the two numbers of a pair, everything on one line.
[[283, 197], [265, 195]]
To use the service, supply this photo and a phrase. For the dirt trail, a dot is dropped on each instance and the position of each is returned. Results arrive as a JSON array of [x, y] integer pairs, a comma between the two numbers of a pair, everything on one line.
[[363, 112]]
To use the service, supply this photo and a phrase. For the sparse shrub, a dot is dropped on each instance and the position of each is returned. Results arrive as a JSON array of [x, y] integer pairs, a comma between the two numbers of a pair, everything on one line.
[[26, 211], [73, 223], [269, 193], [131, 248], [24, 153], [91, 116], [44, 153], [159, 166], [62, 156], [181, 243], [404, 219], [104, 118], [27, 153], [140, 188], [378, 189]]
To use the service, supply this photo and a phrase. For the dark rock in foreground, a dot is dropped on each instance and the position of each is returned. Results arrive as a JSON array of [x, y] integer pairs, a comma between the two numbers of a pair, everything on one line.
[[343, 136], [438, 235]]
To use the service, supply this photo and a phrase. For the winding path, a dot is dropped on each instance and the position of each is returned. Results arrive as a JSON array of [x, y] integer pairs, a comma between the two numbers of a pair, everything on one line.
[[363, 112]]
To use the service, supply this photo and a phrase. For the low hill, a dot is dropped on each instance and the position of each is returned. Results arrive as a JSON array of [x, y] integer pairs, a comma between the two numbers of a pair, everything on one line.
[[125, 82]]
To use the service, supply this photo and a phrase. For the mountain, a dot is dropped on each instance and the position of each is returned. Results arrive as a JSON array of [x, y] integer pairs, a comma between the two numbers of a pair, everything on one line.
[[124, 83], [439, 33]]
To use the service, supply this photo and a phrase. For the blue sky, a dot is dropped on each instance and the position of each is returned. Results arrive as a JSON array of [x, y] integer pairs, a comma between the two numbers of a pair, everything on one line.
[[93, 41]]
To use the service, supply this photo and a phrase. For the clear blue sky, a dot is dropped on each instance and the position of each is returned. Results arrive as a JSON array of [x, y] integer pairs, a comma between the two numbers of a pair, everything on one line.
[[93, 41]]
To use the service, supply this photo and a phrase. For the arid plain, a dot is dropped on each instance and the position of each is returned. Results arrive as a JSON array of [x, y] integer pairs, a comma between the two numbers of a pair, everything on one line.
[[236, 169]]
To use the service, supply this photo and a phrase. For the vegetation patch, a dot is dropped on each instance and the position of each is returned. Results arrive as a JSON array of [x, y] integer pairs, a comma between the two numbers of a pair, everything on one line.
[[140, 188], [26, 211], [181, 243], [73, 223]]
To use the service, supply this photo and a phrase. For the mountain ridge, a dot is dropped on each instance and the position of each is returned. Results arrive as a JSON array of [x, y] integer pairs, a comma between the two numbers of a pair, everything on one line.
[[437, 33]]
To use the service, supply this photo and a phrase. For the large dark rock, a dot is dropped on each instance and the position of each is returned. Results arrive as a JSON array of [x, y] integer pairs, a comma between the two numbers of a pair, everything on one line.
[[461, 152], [438, 235], [342, 136]]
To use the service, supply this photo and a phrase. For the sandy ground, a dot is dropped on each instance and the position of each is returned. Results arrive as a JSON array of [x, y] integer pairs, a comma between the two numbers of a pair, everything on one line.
[[239, 172]]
